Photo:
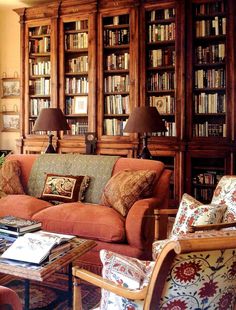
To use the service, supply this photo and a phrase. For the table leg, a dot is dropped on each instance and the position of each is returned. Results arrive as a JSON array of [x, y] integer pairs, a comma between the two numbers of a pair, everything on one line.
[[27, 294], [70, 293]]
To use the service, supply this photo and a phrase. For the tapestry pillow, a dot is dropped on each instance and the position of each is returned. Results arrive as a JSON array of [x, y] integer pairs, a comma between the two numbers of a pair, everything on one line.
[[127, 272], [126, 187], [10, 182], [65, 188], [193, 212]]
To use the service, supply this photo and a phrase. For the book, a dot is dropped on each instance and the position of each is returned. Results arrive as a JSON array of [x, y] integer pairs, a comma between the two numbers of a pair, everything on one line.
[[34, 247], [18, 224], [17, 233]]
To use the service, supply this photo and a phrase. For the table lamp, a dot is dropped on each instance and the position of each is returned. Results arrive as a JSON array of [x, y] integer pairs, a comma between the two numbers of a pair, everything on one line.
[[51, 119], [145, 120]]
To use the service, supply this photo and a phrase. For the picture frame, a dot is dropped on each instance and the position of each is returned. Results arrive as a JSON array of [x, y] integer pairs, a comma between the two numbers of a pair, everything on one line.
[[11, 121], [10, 88], [80, 105]]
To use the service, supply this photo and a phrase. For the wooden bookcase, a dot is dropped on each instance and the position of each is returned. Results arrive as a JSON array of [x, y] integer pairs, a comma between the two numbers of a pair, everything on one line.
[[107, 57]]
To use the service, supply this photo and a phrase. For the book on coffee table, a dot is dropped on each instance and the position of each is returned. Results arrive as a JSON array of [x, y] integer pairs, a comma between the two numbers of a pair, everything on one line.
[[18, 225], [34, 247]]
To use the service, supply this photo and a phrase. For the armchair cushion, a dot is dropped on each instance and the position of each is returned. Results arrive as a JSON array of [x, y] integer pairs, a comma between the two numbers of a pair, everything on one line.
[[10, 182], [225, 193], [192, 212], [126, 187], [127, 272]]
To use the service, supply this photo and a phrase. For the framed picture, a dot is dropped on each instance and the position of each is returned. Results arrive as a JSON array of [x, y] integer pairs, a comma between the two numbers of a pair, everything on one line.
[[11, 122], [10, 87], [80, 105]]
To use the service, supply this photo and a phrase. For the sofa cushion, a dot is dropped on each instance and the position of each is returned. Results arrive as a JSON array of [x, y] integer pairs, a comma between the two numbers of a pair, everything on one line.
[[21, 205], [65, 188], [193, 212], [85, 220], [10, 182], [126, 187]]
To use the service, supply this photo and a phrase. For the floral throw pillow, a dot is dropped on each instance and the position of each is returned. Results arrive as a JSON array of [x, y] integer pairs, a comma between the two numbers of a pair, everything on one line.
[[127, 272], [65, 188], [126, 187], [192, 212], [10, 183]]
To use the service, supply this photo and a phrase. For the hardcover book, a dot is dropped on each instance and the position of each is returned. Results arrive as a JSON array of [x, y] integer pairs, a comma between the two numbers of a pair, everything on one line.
[[18, 224]]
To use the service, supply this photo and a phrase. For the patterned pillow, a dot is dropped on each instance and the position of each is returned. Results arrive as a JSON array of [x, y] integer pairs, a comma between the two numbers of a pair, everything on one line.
[[126, 187], [192, 212], [127, 272], [225, 193], [65, 188], [10, 182]]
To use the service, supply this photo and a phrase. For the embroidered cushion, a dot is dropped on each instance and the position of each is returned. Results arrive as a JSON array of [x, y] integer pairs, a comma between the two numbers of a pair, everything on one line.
[[65, 188], [127, 272], [225, 193], [10, 182], [126, 187], [192, 212]]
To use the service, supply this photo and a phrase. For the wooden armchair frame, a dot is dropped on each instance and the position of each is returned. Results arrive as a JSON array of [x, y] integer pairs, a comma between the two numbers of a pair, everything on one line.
[[153, 292]]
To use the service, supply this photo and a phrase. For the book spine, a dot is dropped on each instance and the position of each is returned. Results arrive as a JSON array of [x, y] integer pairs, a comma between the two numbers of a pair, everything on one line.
[[10, 228]]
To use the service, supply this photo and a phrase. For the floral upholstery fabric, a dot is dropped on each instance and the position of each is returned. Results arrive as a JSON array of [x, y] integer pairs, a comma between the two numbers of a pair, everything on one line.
[[192, 212], [225, 193], [127, 272], [126, 187]]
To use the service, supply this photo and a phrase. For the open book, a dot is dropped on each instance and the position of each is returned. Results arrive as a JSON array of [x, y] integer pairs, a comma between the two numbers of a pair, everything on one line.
[[34, 247]]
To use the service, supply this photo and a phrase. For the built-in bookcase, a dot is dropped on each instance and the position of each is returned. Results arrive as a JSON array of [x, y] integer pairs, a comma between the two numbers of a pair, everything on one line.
[[39, 71]]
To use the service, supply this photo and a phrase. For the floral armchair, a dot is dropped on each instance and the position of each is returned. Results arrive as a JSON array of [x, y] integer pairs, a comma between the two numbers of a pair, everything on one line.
[[196, 271]]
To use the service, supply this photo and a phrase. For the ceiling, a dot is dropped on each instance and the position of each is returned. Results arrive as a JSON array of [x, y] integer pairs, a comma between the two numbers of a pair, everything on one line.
[[21, 3]]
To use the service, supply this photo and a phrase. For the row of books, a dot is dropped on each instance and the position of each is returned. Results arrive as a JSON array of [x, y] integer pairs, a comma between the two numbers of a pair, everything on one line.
[[117, 104], [171, 130], [210, 78], [161, 14], [117, 61], [77, 25], [203, 194], [210, 27], [210, 8], [212, 53], [75, 41], [39, 67], [162, 57], [77, 85], [206, 178], [161, 81], [161, 32], [210, 103], [116, 20], [76, 105], [78, 64], [114, 127], [41, 30], [164, 104], [116, 83], [116, 37], [78, 128], [209, 130], [37, 104], [39, 45], [41, 86]]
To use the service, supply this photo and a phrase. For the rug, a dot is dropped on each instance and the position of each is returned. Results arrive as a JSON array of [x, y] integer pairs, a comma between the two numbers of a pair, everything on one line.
[[52, 295]]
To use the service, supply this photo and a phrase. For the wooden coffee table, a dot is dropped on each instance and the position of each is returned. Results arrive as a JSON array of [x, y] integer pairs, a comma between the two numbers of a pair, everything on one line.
[[42, 272]]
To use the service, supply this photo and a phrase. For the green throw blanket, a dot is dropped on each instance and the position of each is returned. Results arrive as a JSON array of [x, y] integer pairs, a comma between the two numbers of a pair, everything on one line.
[[98, 167]]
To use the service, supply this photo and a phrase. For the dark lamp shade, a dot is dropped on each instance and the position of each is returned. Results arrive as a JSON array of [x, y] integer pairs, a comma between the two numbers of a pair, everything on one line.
[[51, 119], [145, 119]]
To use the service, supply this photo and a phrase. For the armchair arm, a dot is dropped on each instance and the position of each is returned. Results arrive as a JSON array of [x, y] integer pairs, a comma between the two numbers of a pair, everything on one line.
[[193, 228], [108, 285]]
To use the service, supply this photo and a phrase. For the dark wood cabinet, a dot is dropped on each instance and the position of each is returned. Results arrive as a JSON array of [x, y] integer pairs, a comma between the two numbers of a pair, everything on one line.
[[103, 58]]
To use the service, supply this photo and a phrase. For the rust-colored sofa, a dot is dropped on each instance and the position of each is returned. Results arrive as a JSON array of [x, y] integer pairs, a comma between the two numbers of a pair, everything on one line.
[[131, 235]]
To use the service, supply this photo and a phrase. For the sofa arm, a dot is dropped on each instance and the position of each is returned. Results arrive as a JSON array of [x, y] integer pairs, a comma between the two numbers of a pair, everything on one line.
[[140, 222]]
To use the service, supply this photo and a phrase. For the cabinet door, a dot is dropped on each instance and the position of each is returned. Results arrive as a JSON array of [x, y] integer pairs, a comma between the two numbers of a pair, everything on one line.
[[39, 68], [209, 89], [77, 73], [117, 82]]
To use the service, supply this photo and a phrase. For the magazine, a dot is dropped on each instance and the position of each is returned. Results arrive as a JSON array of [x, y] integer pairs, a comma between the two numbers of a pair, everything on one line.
[[34, 247], [17, 224]]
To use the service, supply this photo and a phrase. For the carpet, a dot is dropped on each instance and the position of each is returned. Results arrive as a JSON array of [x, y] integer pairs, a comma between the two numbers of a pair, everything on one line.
[[52, 295]]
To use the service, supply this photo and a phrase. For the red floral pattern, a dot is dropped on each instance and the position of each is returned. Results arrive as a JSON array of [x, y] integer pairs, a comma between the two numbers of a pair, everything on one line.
[[187, 271]]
